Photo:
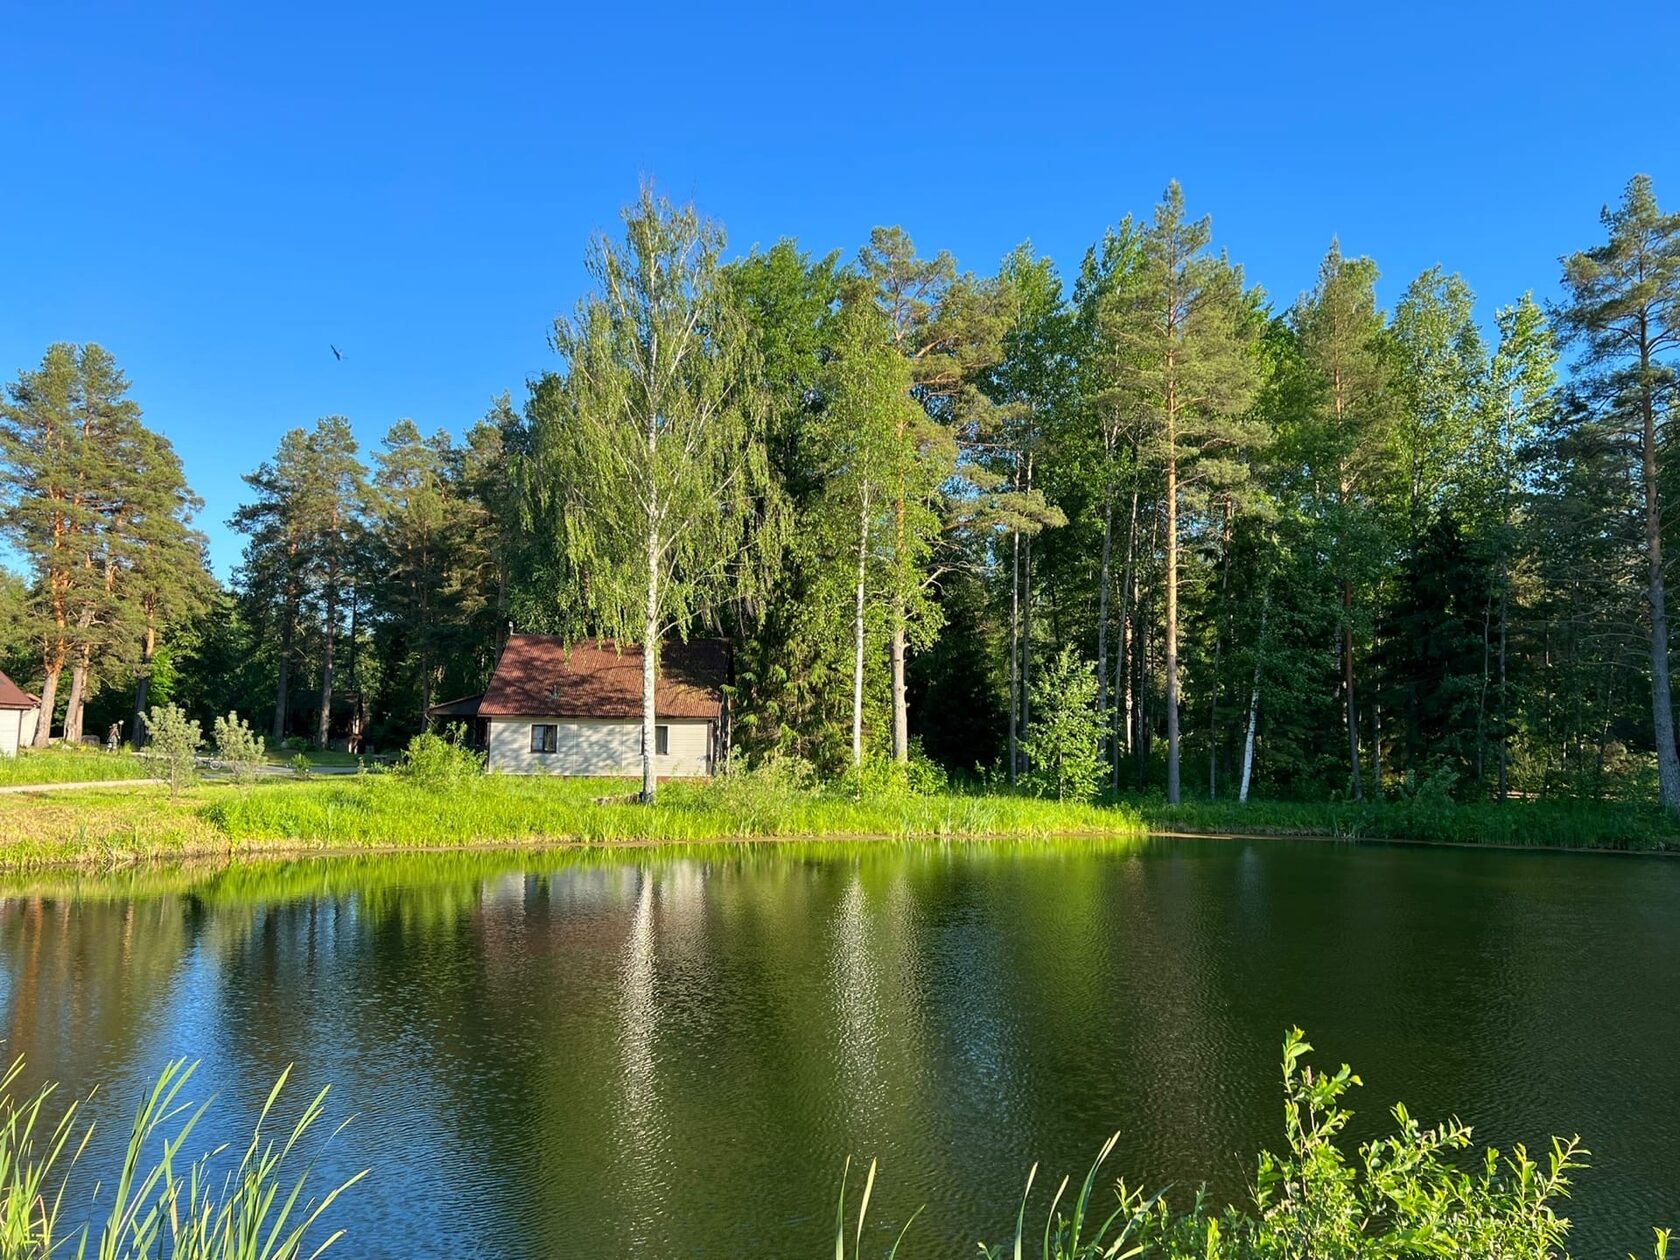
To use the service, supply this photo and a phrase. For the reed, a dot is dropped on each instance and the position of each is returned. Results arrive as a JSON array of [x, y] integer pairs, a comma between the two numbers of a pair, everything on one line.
[[158, 1202]]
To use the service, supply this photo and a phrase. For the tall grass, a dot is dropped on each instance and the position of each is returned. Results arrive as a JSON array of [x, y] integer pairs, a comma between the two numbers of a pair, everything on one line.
[[71, 764], [392, 811], [158, 1203], [1546, 824]]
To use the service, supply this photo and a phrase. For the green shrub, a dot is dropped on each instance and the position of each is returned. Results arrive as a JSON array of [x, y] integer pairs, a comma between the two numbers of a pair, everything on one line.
[[1412, 1194], [175, 742], [436, 763], [302, 766], [295, 743], [1064, 742], [238, 746]]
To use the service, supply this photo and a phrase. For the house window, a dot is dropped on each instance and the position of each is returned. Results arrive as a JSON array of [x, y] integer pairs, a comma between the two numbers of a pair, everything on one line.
[[545, 737], [662, 741]]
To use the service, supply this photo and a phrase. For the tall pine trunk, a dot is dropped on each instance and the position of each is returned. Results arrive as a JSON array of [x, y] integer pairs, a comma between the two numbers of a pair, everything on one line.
[[1504, 717], [1102, 618], [143, 686], [1254, 704], [1122, 723], [1015, 657], [1347, 687], [323, 722], [73, 706], [1172, 593], [1662, 700]]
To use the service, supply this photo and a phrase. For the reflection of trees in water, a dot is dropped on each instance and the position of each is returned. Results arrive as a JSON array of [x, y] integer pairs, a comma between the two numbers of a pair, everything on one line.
[[82, 980]]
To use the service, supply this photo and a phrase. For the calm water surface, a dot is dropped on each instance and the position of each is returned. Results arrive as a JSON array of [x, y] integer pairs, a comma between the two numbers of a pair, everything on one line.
[[658, 1056]]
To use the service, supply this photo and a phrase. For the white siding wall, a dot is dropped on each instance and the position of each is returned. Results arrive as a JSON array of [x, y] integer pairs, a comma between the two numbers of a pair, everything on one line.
[[11, 732], [596, 747]]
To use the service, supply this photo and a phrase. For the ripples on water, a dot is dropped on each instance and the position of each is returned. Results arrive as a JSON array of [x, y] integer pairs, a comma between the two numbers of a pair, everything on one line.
[[662, 1056]]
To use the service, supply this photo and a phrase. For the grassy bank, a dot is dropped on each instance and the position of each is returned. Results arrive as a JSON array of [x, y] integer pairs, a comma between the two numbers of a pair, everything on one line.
[[1539, 824], [97, 828], [71, 765], [101, 828]]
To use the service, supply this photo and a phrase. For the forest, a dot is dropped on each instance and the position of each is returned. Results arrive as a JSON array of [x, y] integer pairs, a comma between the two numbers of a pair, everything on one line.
[[1311, 548]]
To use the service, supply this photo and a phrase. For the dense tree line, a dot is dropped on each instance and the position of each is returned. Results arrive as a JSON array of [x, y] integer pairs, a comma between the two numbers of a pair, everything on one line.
[[1309, 548]]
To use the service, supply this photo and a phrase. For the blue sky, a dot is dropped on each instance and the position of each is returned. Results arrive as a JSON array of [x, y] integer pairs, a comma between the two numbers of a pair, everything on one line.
[[217, 193]]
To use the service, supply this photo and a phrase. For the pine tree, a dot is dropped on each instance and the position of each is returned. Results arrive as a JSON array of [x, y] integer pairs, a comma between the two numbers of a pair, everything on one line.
[[1622, 313], [1191, 333]]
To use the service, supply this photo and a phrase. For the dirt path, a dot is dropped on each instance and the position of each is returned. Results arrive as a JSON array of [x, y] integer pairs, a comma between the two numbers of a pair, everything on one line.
[[88, 783]]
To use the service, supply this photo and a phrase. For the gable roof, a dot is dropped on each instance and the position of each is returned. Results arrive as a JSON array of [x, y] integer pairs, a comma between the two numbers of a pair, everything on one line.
[[13, 696], [542, 675]]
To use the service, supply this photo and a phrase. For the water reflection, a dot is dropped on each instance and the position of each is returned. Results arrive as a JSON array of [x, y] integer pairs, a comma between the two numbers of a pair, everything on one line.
[[664, 1054]]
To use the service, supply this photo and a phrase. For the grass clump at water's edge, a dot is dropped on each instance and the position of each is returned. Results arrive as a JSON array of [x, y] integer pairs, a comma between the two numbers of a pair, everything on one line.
[[1535, 824]]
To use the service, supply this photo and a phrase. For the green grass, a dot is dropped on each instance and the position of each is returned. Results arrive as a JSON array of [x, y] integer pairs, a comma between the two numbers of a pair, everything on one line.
[[71, 765], [388, 811], [1537, 824], [100, 828]]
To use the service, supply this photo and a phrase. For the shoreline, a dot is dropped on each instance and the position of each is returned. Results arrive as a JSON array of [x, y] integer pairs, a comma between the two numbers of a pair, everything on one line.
[[211, 859]]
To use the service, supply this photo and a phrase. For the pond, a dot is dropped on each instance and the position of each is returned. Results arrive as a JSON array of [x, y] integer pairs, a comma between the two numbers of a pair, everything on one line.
[[671, 1055]]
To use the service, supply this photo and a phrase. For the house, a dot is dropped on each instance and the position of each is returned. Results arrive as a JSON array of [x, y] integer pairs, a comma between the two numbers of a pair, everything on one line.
[[19, 712], [555, 707]]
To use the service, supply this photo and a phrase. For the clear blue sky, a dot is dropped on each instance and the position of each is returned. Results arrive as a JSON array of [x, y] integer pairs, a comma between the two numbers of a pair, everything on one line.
[[217, 192]]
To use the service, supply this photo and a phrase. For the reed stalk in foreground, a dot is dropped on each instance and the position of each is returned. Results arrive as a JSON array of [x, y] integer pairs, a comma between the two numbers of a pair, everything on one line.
[[156, 1204]]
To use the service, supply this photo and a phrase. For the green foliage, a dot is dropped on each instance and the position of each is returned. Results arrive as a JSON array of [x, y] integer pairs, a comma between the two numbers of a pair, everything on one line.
[[160, 1202], [1064, 743], [239, 747], [1410, 1194], [438, 763], [301, 765], [174, 740]]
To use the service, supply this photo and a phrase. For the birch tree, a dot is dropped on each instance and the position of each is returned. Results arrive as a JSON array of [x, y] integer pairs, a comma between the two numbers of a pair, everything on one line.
[[666, 499]]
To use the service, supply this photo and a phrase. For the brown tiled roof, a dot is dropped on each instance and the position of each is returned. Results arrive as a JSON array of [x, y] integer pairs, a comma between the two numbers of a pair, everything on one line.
[[543, 675], [13, 696]]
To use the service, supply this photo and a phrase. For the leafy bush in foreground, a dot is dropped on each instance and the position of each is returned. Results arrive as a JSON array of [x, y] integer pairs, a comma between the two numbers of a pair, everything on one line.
[[1408, 1195]]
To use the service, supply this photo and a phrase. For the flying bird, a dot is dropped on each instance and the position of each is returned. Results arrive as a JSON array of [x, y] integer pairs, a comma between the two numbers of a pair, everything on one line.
[[336, 354]]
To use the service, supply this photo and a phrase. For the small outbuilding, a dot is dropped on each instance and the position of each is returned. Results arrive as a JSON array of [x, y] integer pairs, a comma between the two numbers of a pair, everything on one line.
[[558, 707], [19, 713]]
